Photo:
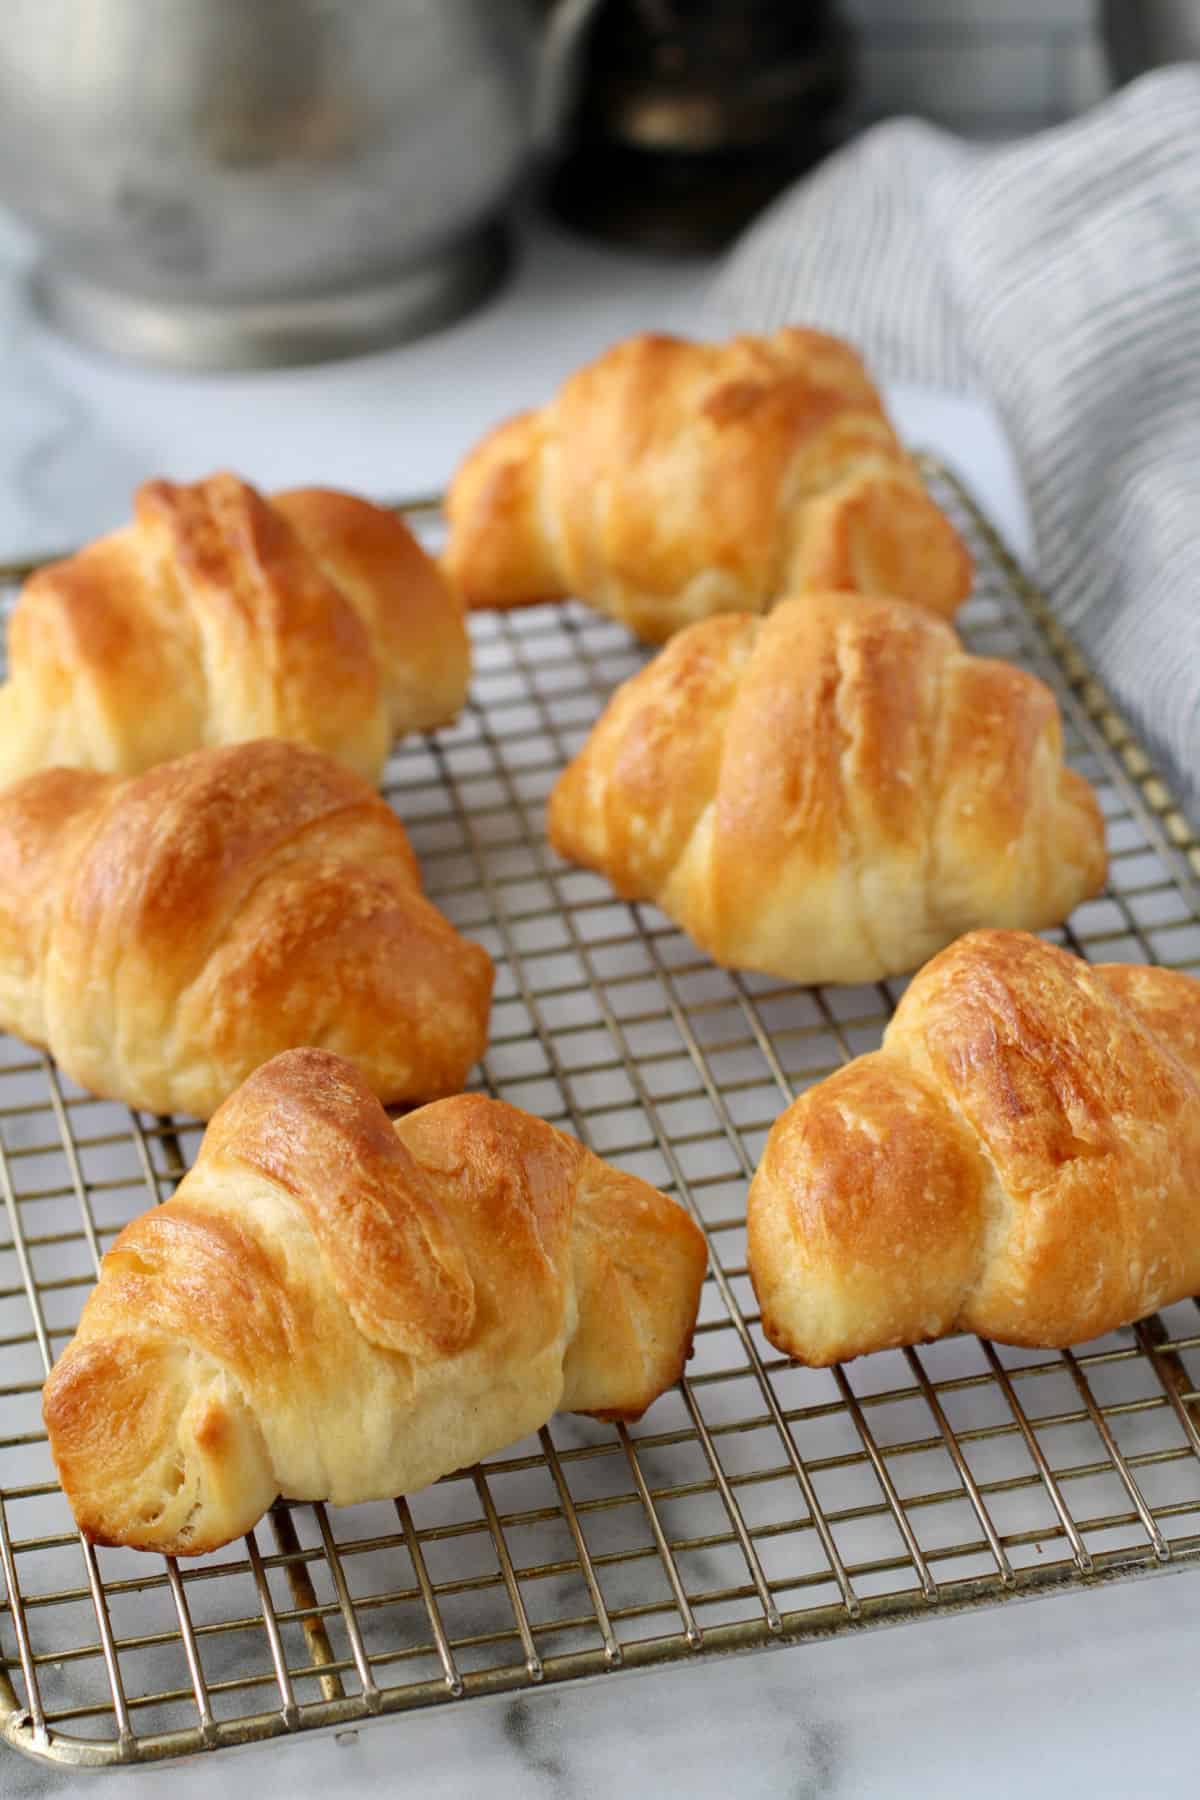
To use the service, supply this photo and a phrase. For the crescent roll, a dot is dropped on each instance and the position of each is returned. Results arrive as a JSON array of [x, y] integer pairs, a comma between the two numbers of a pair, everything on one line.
[[1021, 1159], [338, 1308], [219, 616], [669, 480], [165, 935], [832, 793]]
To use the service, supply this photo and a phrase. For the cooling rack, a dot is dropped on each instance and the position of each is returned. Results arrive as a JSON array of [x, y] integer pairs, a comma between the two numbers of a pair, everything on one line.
[[756, 1504]]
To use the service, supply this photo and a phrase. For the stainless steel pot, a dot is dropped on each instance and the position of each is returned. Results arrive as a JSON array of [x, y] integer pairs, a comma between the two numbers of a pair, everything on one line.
[[242, 182]]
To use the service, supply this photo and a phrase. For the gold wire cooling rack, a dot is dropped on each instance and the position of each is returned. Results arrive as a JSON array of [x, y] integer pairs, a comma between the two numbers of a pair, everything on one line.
[[758, 1503]]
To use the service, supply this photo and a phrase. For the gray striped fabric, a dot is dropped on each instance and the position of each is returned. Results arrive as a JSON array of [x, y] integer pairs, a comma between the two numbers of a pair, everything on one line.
[[1062, 275]]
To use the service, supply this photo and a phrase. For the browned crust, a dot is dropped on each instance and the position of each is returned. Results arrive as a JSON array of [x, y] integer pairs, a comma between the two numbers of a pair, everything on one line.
[[670, 480], [167, 934], [832, 792], [1022, 1159], [322, 1277], [220, 615]]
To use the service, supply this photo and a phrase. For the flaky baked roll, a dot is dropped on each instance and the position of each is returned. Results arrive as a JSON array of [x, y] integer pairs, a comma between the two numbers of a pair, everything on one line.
[[668, 481], [218, 616], [1020, 1159], [832, 793], [336, 1308], [165, 935]]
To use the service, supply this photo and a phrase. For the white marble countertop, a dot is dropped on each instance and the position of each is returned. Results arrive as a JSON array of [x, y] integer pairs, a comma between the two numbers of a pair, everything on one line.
[[1091, 1692], [1088, 1694]]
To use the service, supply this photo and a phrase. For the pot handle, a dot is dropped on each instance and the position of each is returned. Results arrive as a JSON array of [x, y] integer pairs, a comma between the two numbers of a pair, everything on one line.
[[559, 68]]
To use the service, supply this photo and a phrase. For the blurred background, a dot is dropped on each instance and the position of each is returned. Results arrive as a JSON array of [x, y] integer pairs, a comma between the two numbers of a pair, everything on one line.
[[221, 183], [984, 67], [323, 240]]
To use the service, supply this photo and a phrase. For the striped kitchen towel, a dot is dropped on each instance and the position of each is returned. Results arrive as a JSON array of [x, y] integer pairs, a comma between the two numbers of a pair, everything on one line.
[[1060, 274]]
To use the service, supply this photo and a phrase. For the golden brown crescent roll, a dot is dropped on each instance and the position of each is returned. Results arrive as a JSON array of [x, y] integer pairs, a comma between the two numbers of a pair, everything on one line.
[[218, 616], [338, 1308], [831, 793], [1020, 1159], [669, 481], [165, 935]]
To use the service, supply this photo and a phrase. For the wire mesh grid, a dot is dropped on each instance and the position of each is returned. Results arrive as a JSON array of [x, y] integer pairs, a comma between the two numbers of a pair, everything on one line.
[[756, 1503]]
